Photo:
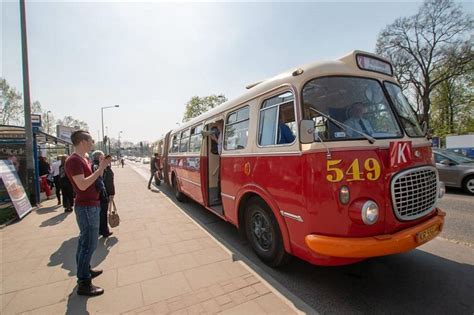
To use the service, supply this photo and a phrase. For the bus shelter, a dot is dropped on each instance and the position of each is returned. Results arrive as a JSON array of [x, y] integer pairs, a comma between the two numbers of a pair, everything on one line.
[[12, 145]]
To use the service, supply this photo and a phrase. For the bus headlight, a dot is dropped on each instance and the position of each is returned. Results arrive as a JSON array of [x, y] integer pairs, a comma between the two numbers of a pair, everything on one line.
[[370, 212], [441, 190]]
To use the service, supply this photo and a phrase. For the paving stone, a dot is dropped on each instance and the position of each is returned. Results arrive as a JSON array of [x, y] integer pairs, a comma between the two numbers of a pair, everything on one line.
[[250, 307], [164, 287], [137, 273], [37, 297], [176, 263], [273, 305], [207, 275]]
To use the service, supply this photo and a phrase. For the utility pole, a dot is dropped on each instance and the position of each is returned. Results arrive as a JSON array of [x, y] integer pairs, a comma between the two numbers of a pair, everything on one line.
[[30, 163]]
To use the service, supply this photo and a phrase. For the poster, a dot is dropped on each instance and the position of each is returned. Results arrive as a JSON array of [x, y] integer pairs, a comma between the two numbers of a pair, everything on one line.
[[15, 188]]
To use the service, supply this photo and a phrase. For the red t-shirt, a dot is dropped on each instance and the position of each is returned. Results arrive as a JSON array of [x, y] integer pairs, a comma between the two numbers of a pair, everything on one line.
[[76, 165]]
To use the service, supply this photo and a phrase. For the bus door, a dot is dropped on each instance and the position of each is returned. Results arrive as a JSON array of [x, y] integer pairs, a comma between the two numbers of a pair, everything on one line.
[[164, 158], [212, 131]]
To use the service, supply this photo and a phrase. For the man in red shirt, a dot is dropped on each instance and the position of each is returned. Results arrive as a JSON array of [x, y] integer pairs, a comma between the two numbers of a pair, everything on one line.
[[87, 208]]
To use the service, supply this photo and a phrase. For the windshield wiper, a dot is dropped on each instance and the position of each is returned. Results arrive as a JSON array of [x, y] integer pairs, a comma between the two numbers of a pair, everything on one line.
[[345, 127]]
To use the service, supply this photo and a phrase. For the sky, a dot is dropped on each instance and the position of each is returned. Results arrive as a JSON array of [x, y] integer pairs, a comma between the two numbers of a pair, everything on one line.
[[150, 58]]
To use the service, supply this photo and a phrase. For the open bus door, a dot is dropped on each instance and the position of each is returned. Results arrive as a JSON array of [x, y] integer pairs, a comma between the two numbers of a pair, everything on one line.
[[214, 200], [164, 158]]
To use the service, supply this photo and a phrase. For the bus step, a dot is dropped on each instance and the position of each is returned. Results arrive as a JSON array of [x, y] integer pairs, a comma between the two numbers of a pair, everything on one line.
[[218, 209]]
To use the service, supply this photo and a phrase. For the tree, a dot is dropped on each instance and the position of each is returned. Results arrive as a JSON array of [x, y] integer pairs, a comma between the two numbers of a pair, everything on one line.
[[70, 121], [198, 105], [11, 108], [453, 106], [435, 38]]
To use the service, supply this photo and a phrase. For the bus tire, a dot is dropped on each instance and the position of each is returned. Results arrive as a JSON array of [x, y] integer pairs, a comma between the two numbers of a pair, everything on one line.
[[177, 193], [264, 234]]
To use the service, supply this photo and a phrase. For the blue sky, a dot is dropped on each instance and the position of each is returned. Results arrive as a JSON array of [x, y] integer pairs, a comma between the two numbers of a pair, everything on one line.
[[151, 58]]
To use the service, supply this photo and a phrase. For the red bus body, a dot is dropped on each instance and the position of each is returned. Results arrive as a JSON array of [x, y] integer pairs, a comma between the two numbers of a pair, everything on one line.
[[315, 226]]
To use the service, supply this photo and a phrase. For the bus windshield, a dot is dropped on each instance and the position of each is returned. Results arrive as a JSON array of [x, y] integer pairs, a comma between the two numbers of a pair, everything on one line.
[[357, 103], [404, 109]]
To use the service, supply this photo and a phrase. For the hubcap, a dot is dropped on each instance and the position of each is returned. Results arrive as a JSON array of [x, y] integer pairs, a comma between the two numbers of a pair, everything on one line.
[[261, 230], [470, 185]]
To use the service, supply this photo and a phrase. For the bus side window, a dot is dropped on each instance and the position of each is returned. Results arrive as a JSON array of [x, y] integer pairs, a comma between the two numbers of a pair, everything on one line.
[[183, 145], [175, 144], [236, 129], [196, 139], [277, 120]]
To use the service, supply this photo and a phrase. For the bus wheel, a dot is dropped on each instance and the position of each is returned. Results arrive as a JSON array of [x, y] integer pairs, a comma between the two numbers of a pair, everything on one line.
[[264, 234], [178, 195]]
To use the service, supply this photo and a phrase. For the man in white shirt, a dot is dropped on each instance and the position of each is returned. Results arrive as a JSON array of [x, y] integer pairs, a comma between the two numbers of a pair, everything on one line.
[[357, 121], [55, 172]]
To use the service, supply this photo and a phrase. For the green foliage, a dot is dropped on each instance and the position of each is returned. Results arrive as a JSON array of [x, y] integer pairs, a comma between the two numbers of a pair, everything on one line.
[[11, 107], [453, 106], [198, 105]]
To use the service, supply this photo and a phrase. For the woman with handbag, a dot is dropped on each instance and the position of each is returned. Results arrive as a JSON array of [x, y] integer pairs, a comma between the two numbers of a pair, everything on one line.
[[66, 187], [98, 156]]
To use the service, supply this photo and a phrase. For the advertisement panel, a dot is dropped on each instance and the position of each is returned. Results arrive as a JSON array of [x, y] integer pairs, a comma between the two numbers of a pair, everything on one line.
[[14, 187], [64, 133]]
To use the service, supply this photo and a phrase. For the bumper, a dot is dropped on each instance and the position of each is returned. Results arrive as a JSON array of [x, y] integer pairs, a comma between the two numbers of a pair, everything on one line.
[[379, 245]]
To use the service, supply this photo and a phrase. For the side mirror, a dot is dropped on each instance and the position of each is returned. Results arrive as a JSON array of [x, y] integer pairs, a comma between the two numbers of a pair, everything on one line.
[[445, 162], [427, 132], [307, 131]]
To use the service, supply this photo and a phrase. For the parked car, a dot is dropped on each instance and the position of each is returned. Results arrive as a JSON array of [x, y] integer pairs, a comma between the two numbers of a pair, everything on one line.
[[146, 160], [455, 170]]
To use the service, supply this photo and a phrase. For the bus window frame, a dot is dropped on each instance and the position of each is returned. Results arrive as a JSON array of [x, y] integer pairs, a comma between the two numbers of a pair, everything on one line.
[[181, 139], [392, 105], [225, 124], [170, 149], [385, 92], [270, 96], [194, 134]]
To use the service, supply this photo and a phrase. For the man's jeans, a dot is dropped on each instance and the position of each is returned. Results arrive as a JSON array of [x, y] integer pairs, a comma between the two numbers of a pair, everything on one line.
[[88, 220]]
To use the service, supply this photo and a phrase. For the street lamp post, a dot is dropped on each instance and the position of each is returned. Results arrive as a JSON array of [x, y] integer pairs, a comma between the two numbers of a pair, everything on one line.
[[47, 121], [102, 116]]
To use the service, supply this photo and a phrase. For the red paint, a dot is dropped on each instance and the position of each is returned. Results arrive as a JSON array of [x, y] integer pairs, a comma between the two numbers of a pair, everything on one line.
[[298, 184]]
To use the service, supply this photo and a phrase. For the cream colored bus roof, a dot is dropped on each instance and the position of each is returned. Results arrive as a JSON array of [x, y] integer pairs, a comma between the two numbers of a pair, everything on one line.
[[346, 65]]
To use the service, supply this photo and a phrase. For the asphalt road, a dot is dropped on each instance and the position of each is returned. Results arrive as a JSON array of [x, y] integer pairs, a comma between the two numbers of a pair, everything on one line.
[[436, 278]]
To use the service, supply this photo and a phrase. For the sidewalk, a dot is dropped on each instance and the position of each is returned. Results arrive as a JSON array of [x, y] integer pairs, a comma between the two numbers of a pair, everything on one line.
[[158, 261]]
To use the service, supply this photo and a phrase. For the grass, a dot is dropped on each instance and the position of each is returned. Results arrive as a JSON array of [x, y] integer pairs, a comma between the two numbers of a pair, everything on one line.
[[7, 212]]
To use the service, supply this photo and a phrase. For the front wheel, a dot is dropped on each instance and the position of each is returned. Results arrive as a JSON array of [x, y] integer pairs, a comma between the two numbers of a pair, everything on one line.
[[468, 184], [264, 234]]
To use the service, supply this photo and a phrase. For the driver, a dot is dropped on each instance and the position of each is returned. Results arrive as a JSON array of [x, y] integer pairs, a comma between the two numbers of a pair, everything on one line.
[[357, 121]]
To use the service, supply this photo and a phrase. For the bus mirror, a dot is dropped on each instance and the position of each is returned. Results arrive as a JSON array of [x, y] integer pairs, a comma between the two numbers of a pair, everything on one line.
[[307, 131]]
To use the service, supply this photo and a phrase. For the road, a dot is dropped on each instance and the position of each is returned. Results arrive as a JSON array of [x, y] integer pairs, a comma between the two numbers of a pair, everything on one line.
[[436, 278]]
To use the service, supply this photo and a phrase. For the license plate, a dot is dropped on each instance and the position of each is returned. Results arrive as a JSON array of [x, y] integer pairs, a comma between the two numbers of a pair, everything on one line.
[[428, 234]]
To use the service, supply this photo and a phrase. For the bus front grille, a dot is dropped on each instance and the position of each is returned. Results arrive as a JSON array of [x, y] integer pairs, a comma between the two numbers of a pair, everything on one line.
[[414, 192]]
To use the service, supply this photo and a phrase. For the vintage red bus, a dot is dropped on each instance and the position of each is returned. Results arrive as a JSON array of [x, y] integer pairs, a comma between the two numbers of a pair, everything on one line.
[[326, 162]]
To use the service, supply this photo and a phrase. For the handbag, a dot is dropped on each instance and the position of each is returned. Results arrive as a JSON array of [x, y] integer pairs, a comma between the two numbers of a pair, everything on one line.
[[114, 218]]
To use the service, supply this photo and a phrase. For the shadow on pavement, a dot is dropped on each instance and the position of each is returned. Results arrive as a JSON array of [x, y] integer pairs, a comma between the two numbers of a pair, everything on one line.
[[55, 220], [66, 257], [48, 209]]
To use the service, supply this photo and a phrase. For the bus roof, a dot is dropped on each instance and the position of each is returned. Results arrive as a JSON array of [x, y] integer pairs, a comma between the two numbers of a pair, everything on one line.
[[345, 65]]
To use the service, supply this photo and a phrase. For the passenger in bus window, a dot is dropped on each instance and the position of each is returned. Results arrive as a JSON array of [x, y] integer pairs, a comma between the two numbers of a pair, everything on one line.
[[285, 135], [357, 120], [216, 136]]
